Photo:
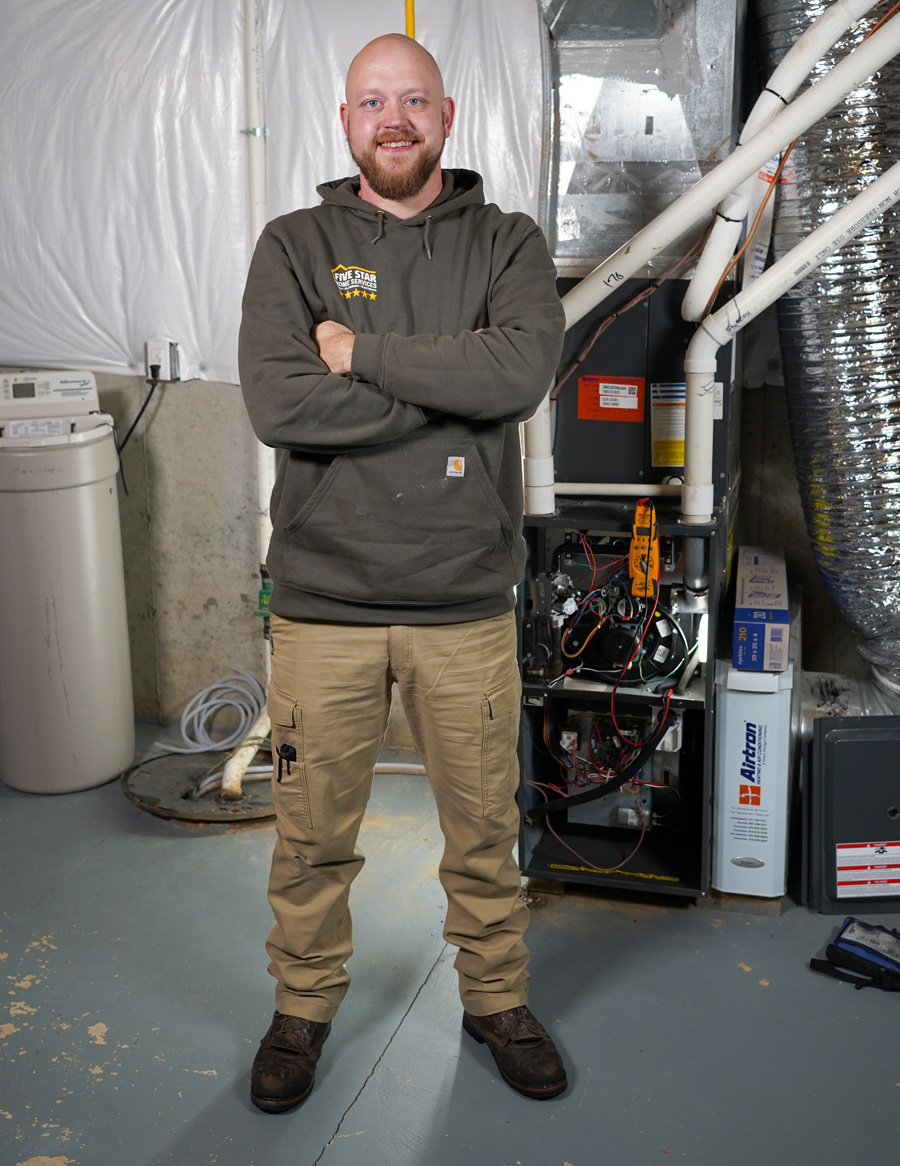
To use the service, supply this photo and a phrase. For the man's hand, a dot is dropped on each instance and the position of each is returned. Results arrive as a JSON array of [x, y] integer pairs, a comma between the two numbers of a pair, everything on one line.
[[335, 345]]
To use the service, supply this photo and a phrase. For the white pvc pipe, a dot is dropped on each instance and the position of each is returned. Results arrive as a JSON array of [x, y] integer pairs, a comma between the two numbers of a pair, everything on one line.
[[677, 218], [618, 489], [258, 199], [540, 497], [796, 65], [680, 215], [254, 70], [236, 765], [721, 326]]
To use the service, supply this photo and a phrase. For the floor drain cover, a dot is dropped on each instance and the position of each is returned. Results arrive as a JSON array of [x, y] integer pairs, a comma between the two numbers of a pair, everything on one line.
[[166, 786]]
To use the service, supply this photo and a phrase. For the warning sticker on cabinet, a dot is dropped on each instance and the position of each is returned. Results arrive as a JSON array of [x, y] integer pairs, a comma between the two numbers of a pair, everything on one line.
[[667, 409], [667, 424], [610, 398], [867, 869]]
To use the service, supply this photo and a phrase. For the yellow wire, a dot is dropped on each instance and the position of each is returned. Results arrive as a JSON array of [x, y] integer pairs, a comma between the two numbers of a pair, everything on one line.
[[411, 18]]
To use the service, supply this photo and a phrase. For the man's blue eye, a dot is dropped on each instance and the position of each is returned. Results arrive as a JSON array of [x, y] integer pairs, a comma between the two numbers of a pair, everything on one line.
[[415, 101]]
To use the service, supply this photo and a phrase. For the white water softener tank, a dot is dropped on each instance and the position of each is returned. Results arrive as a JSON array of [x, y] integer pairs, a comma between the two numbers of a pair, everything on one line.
[[66, 706]]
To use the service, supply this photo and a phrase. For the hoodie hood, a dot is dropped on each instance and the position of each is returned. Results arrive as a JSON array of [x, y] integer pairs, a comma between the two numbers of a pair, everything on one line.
[[461, 188]]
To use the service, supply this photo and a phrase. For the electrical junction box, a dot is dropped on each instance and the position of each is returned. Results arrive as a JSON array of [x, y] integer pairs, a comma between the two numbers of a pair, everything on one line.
[[752, 784], [762, 614]]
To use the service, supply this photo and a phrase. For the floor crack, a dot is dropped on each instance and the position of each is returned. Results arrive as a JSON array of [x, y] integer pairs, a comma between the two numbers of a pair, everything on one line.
[[362, 1087]]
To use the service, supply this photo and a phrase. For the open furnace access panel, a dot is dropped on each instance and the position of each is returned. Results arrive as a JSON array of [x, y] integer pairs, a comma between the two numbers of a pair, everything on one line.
[[616, 701]]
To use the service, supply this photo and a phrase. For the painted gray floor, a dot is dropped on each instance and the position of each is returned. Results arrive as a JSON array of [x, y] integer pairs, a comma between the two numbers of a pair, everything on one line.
[[136, 992]]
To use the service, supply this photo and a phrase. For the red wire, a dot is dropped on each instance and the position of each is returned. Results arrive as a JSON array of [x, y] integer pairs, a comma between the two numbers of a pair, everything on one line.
[[603, 869]]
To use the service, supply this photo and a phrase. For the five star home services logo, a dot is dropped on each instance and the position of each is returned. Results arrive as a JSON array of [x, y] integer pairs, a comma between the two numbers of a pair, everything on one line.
[[355, 282]]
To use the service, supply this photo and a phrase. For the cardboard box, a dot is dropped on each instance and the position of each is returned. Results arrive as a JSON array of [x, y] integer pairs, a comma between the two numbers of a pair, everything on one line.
[[762, 616], [751, 801]]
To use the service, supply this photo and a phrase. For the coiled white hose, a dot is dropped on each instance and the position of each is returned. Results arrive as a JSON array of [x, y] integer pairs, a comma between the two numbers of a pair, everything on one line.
[[240, 692]]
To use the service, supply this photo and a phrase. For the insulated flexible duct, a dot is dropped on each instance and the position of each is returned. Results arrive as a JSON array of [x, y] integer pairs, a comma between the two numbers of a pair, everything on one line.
[[840, 338]]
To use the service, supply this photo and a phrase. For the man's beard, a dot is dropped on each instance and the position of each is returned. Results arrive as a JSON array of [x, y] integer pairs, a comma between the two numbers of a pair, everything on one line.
[[401, 184]]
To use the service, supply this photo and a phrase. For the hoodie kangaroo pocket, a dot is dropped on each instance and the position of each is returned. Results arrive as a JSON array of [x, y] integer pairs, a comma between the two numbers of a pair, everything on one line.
[[418, 524]]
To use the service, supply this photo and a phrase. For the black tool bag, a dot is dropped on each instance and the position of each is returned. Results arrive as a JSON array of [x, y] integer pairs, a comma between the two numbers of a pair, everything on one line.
[[863, 954]]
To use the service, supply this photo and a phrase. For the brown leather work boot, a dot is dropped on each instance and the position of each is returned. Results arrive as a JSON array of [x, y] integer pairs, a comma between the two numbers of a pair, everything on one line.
[[527, 1058], [284, 1069]]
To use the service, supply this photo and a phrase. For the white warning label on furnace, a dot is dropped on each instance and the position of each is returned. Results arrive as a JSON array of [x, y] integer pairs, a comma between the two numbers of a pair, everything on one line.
[[867, 869], [667, 424], [618, 396]]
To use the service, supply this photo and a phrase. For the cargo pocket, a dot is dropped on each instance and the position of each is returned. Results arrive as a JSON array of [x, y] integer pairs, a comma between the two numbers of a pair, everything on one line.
[[288, 769], [499, 767]]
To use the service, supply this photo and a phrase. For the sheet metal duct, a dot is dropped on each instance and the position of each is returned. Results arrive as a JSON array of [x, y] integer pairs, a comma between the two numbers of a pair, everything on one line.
[[645, 106], [839, 336]]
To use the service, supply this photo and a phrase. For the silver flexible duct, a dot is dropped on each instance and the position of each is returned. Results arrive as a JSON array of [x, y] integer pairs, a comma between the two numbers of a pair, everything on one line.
[[840, 340]]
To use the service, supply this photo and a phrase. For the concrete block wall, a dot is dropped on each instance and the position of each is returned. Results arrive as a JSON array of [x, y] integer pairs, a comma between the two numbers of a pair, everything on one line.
[[189, 538]]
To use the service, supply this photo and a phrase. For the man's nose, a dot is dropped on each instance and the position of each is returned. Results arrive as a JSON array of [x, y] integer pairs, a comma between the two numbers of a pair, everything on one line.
[[394, 114]]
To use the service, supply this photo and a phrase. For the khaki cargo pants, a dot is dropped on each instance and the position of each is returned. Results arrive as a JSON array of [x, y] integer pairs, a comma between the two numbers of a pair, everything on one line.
[[329, 702]]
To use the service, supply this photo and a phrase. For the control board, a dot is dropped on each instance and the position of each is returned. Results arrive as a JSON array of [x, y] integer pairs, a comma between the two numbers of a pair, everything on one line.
[[34, 393]]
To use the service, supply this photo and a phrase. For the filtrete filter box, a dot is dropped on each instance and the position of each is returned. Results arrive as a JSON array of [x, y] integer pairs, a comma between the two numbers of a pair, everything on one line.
[[762, 615]]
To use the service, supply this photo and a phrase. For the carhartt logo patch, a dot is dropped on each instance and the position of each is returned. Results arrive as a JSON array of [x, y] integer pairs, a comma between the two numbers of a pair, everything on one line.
[[355, 282], [456, 467]]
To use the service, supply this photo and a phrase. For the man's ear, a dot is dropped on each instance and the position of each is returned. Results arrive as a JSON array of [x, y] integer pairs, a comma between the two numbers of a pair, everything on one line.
[[345, 118], [449, 108]]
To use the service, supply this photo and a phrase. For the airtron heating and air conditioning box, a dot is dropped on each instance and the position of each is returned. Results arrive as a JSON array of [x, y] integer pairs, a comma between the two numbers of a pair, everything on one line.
[[756, 754], [752, 783]]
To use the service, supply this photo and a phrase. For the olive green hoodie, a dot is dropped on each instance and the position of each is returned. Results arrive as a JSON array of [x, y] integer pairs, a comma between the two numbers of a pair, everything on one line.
[[399, 490]]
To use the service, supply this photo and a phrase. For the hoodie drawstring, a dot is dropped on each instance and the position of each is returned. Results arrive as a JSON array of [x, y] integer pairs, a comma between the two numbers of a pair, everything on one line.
[[426, 236]]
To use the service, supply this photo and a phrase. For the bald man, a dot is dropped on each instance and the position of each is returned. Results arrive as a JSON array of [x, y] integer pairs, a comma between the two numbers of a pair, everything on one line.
[[393, 338]]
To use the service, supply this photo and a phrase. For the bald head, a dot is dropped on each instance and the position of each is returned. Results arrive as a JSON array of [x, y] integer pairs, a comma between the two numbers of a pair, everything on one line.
[[388, 51]]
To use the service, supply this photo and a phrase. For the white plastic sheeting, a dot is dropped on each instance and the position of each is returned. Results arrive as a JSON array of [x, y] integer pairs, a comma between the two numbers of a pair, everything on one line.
[[124, 199]]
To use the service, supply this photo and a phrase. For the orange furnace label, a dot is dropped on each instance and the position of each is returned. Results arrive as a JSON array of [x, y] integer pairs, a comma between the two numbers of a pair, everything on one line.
[[610, 398]]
